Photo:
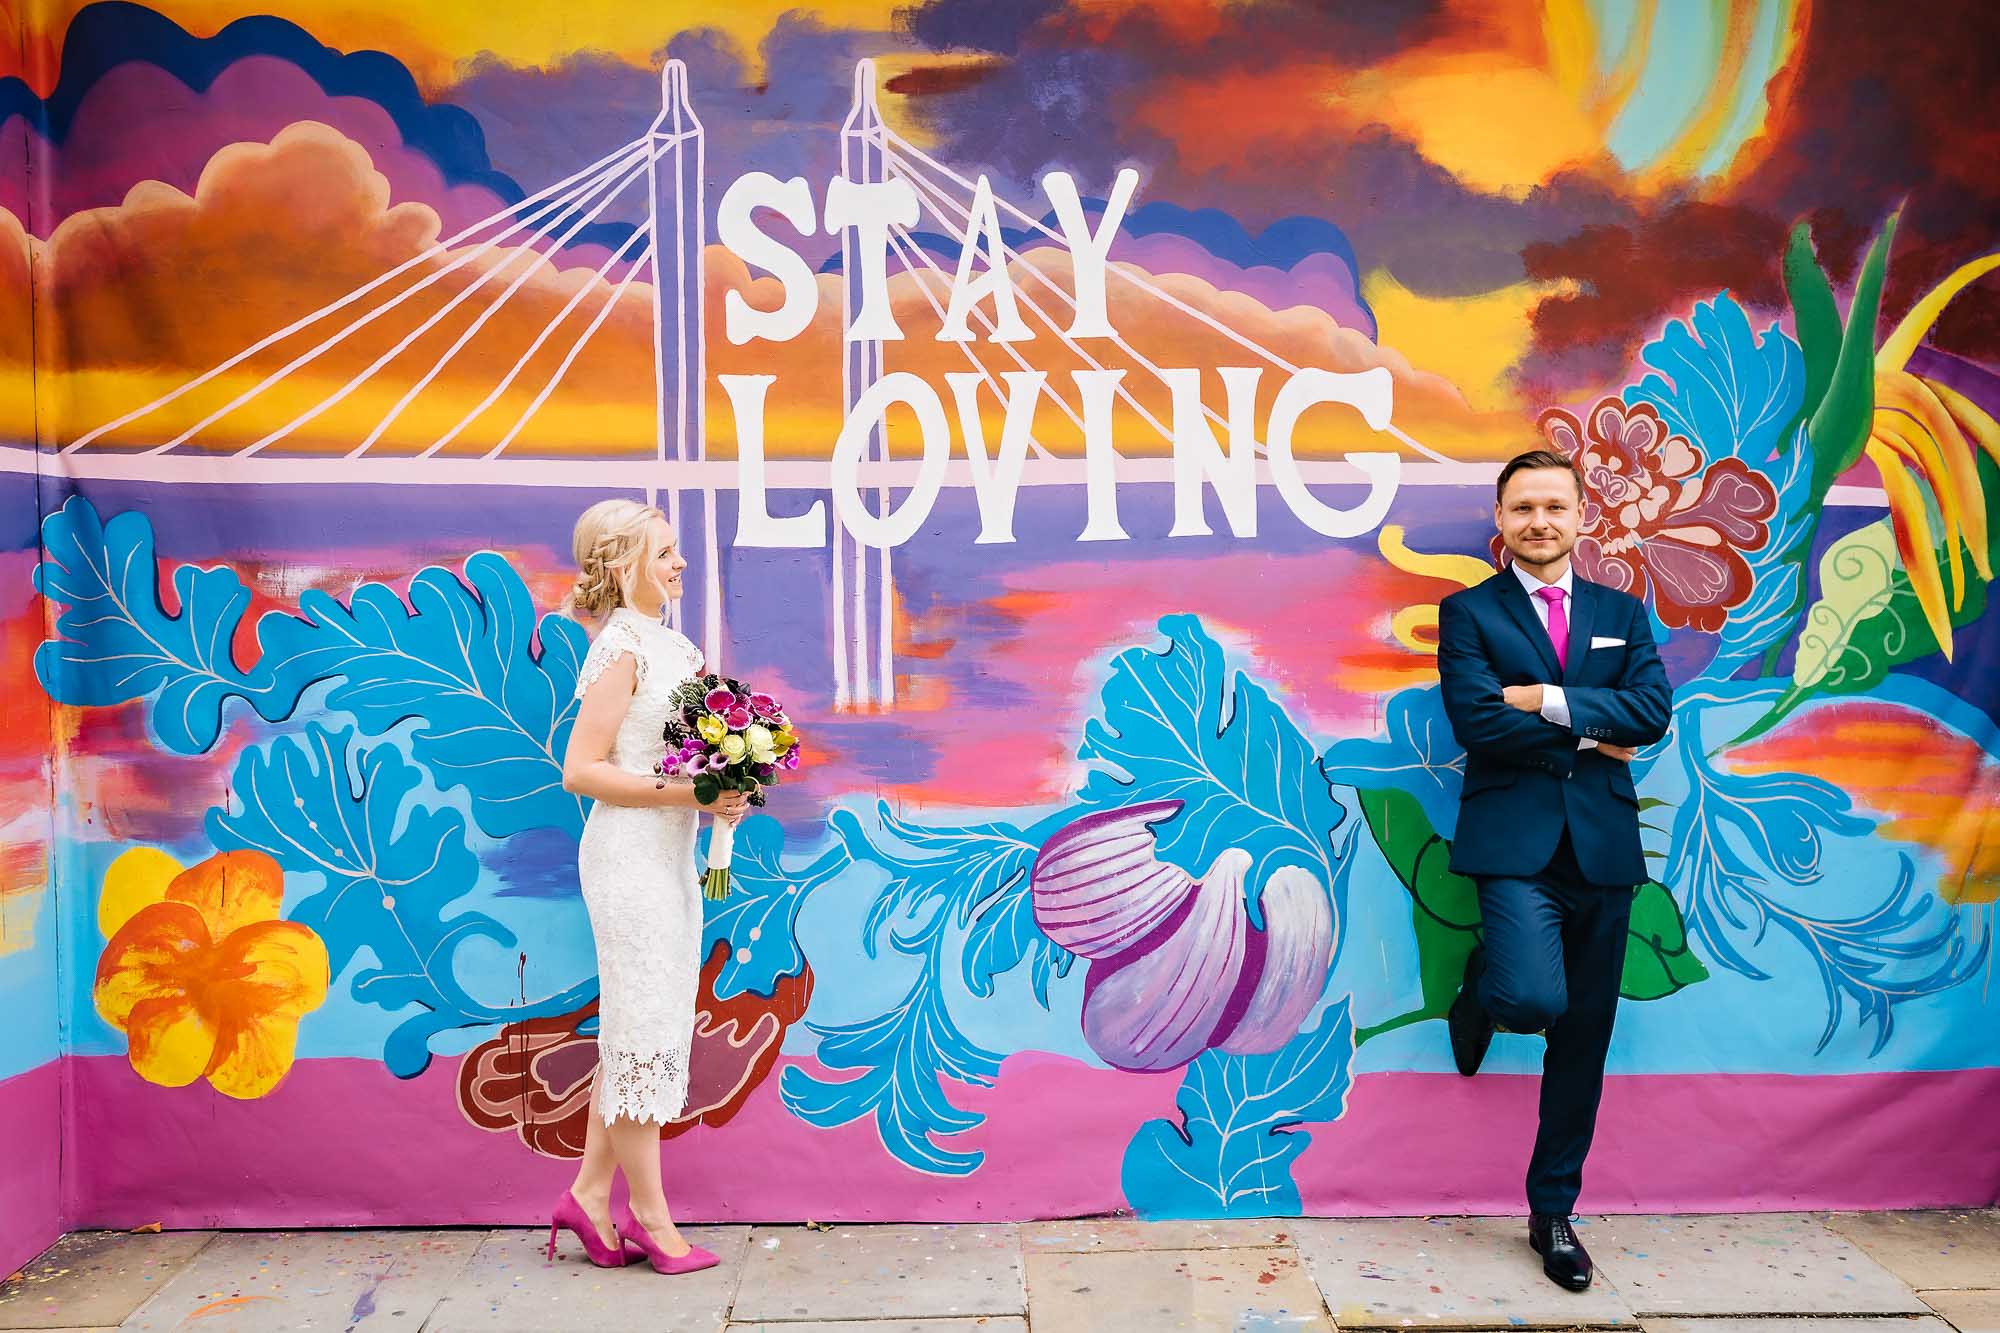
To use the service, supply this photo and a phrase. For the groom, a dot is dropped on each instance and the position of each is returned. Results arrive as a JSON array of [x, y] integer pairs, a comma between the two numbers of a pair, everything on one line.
[[1550, 682]]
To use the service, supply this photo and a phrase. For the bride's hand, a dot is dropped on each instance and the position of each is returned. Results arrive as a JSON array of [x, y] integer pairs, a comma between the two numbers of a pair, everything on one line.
[[730, 805]]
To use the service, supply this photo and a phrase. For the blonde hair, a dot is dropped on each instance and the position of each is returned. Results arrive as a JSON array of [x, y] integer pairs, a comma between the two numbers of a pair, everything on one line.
[[609, 545]]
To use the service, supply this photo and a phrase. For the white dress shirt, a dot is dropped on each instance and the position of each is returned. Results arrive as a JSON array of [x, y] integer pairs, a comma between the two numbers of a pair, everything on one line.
[[1555, 705]]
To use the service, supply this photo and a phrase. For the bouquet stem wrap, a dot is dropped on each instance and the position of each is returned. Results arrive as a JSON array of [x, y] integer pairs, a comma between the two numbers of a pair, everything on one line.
[[721, 840]]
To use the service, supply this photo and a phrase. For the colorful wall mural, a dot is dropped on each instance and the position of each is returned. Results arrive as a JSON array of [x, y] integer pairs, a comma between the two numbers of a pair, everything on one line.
[[1075, 410]]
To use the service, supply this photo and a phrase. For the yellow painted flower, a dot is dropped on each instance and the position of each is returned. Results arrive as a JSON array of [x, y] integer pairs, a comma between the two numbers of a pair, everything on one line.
[[783, 739], [200, 974], [712, 729], [732, 748]]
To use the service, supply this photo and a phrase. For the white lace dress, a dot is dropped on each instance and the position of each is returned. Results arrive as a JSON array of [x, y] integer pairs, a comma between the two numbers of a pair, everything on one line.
[[637, 870]]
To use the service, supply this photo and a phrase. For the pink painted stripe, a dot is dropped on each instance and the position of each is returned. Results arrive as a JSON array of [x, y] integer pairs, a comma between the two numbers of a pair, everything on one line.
[[30, 1165], [341, 1143]]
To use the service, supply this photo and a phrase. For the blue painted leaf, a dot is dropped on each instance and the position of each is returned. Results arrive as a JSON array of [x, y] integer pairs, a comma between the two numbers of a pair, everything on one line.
[[115, 642], [950, 869], [948, 876], [1178, 726], [1418, 755], [903, 1056], [1231, 1154], [1723, 387], [460, 657], [389, 866], [1907, 946], [1003, 934], [759, 918]]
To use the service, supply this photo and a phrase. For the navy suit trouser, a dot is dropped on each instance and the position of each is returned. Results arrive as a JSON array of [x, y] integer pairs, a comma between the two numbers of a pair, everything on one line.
[[1555, 957]]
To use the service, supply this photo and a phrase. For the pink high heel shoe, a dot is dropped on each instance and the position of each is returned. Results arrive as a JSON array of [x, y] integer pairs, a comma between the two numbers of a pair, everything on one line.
[[569, 1214], [631, 1233]]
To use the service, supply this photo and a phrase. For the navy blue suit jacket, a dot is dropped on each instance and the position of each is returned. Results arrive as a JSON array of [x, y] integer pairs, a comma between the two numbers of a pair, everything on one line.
[[1525, 779]]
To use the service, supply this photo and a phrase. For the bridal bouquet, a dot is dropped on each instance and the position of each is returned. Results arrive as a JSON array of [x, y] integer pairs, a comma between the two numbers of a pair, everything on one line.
[[726, 738]]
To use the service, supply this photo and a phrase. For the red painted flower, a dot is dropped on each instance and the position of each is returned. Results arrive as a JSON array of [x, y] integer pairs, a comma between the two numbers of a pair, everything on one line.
[[1657, 519], [533, 1078]]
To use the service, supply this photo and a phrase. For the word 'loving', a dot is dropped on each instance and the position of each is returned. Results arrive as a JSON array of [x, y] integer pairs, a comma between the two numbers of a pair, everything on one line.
[[870, 210]]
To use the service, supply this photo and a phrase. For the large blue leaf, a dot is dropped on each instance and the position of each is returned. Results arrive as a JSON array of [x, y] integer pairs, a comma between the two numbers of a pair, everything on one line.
[[903, 1056], [1744, 845], [115, 642], [759, 918], [460, 659], [1231, 1154], [390, 867], [487, 688], [962, 877], [1724, 387], [1178, 726], [1417, 754]]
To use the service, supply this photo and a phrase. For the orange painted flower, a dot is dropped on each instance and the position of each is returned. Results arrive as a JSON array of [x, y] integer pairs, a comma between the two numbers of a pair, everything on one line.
[[201, 975]]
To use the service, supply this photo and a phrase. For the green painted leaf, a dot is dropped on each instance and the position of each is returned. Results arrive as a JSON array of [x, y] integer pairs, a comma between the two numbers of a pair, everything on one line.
[[1444, 908], [1839, 426], [1444, 911], [1658, 961], [1817, 320]]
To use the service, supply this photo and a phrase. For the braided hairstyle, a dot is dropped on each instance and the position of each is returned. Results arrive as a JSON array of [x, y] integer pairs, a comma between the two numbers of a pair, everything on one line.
[[609, 544]]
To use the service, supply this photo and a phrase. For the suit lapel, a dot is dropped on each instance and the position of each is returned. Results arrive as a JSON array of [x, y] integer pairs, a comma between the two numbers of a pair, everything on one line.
[[1582, 619], [1515, 598]]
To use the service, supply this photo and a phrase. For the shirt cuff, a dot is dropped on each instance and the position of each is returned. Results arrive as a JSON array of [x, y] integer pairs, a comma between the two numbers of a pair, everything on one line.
[[1555, 705]]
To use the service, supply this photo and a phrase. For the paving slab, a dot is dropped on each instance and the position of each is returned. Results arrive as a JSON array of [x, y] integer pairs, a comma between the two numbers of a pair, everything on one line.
[[1089, 1234], [1744, 1264], [1919, 1323], [881, 1272], [96, 1277], [510, 1286], [1967, 1311], [1447, 1272], [1173, 1291], [1000, 1323], [274, 1282], [1955, 1248]]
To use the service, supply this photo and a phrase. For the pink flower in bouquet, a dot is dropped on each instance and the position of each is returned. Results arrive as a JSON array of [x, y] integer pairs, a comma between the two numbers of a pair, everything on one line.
[[737, 718], [791, 759], [719, 700], [763, 705]]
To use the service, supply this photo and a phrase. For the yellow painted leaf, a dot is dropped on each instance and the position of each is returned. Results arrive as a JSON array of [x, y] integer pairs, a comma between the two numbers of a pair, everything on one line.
[[1915, 446], [1971, 417], [1906, 393], [1895, 352], [1913, 541]]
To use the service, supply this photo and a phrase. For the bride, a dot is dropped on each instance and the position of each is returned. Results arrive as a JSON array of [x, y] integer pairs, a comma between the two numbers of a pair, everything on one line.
[[636, 866]]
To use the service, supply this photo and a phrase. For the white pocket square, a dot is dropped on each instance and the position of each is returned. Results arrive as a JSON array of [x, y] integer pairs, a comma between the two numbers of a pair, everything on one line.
[[1602, 641]]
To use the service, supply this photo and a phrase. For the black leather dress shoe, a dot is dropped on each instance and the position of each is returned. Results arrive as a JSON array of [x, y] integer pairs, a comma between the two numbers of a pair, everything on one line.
[[1471, 1028], [1564, 1259]]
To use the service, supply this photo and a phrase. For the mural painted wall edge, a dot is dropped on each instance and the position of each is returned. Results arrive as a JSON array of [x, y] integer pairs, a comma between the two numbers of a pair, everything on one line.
[[288, 536]]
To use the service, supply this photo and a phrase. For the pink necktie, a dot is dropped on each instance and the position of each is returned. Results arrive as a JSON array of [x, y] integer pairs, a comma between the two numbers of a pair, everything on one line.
[[1558, 623]]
